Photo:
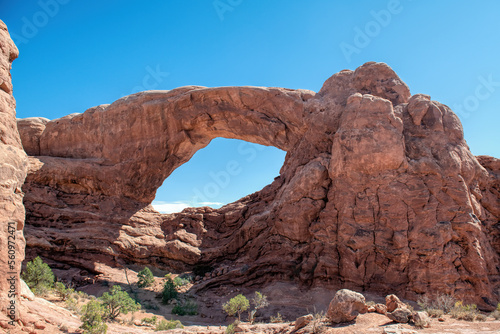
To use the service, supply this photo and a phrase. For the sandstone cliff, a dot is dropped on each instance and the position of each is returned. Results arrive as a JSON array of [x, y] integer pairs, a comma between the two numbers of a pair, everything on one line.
[[378, 192], [13, 166]]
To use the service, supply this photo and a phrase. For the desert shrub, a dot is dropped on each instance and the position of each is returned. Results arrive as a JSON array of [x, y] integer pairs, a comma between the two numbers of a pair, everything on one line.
[[38, 276], [145, 277], [464, 312], [259, 301], [72, 305], [187, 308], [442, 302], [92, 318], [317, 322], [435, 313], [481, 317], [370, 303], [230, 329], [169, 292], [63, 291], [117, 302], [236, 305], [178, 281], [150, 321], [277, 319], [166, 325], [495, 314]]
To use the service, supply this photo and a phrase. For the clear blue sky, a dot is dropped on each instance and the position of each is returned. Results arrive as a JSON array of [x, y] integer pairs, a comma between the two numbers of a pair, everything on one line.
[[78, 54]]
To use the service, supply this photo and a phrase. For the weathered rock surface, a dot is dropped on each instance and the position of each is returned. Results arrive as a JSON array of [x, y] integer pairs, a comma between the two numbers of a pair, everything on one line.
[[13, 166], [401, 315], [392, 302], [379, 191], [345, 306]]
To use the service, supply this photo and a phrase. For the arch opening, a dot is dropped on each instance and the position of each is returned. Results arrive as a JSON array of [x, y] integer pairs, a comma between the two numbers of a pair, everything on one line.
[[221, 173]]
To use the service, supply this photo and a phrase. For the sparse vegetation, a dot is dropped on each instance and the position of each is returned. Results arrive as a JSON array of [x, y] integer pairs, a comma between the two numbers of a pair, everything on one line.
[[72, 305], [464, 312], [92, 318], [150, 321], [178, 281], [169, 292], [442, 302], [236, 305], [63, 291], [38, 276], [317, 322], [117, 302], [277, 319], [435, 313], [186, 308], [145, 277], [166, 325], [259, 301], [231, 327]]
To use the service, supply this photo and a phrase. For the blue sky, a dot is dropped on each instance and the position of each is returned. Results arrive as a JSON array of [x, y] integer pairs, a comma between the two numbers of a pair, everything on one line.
[[78, 54]]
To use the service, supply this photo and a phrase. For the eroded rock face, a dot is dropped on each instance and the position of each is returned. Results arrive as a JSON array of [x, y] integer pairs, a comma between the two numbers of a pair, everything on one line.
[[13, 166], [378, 191]]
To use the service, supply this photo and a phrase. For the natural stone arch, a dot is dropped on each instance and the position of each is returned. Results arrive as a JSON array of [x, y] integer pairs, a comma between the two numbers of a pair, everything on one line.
[[378, 190], [145, 136]]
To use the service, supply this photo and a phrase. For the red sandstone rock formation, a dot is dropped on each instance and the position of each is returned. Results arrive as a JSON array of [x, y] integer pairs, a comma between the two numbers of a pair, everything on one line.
[[378, 192], [13, 165]]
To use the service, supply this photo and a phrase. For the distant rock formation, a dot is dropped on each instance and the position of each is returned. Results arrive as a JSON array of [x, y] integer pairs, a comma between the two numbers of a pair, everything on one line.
[[378, 192], [13, 167]]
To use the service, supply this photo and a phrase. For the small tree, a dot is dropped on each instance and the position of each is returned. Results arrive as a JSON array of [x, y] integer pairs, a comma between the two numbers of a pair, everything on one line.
[[93, 313], [169, 292], [38, 275], [117, 302], [63, 291], [236, 305], [259, 301], [145, 277]]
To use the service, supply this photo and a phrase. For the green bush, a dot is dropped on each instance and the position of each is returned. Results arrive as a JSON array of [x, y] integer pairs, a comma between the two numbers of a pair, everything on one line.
[[259, 301], [230, 328], [169, 292], [92, 318], [150, 321], [187, 308], [236, 305], [178, 281], [118, 302], [63, 291], [38, 276], [145, 277], [166, 325]]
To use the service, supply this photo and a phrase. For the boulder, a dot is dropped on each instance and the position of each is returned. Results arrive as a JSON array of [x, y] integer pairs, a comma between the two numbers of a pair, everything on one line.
[[345, 306], [303, 321], [421, 318], [401, 315], [392, 302]]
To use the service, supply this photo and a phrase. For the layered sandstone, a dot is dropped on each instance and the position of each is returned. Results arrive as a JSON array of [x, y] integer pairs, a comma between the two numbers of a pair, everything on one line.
[[13, 166], [379, 190]]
